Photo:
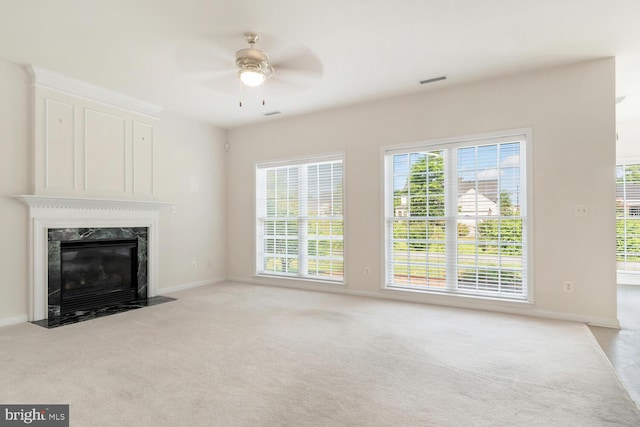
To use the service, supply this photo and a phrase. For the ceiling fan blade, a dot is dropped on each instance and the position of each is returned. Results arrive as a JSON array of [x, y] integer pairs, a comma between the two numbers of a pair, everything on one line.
[[194, 59], [224, 83], [295, 77], [204, 76], [297, 58], [209, 52]]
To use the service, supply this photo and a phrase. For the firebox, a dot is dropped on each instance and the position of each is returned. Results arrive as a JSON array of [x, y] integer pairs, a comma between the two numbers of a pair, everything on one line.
[[97, 273]]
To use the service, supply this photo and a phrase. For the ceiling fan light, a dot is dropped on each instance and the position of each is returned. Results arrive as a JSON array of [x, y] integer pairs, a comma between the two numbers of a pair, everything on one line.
[[252, 77]]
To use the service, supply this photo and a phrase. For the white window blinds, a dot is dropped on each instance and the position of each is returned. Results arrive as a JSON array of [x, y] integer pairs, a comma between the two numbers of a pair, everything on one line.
[[456, 217], [628, 218], [299, 211]]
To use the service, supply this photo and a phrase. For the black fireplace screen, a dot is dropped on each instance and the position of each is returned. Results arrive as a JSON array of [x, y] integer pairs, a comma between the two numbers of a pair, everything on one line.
[[97, 273]]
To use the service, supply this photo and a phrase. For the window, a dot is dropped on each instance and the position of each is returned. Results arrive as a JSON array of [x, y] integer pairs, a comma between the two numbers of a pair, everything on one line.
[[456, 219], [299, 211], [627, 218]]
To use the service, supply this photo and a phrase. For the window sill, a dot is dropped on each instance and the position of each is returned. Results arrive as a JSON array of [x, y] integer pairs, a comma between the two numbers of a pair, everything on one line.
[[300, 279], [433, 295]]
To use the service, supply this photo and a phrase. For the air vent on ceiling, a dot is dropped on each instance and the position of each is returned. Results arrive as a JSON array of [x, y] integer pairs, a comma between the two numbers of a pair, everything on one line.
[[435, 79], [272, 113]]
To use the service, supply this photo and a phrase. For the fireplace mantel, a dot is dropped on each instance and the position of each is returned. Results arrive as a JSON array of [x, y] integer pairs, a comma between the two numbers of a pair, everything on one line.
[[87, 203], [46, 212]]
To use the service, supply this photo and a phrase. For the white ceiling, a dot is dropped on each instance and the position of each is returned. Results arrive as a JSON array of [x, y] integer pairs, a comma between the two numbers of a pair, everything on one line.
[[368, 49]]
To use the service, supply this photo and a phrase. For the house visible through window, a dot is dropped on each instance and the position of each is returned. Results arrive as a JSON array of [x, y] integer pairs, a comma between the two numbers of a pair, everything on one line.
[[628, 218], [299, 210], [456, 217]]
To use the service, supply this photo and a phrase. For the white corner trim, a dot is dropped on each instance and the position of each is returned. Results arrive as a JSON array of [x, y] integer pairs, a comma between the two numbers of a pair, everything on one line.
[[88, 203], [52, 80]]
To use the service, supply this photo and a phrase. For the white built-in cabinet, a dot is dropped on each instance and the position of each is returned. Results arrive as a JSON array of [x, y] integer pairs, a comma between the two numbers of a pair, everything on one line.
[[90, 142]]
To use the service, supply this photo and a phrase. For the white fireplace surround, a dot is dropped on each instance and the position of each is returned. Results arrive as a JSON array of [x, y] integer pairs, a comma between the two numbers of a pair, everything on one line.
[[47, 212]]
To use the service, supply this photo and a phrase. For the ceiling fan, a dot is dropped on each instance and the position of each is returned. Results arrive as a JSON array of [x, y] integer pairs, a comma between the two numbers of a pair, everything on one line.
[[215, 62], [253, 64]]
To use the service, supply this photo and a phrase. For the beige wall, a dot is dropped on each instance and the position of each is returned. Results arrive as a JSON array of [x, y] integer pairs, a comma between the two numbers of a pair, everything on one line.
[[15, 173], [192, 175], [571, 111], [190, 172]]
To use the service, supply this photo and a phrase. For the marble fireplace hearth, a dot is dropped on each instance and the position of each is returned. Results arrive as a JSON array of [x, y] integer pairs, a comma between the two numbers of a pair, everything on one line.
[[59, 236], [55, 220], [107, 310]]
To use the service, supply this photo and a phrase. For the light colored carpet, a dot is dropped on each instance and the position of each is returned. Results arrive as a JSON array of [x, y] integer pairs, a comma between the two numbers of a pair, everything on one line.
[[236, 355]]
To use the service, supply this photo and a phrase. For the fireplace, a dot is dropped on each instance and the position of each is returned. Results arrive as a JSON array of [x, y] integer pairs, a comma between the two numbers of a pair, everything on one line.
[[95, 268], [59, 223], [97, 273]]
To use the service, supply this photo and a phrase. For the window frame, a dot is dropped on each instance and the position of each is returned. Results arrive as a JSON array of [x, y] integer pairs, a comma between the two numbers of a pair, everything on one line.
[[625, 276], [525, 135], [289, 162]]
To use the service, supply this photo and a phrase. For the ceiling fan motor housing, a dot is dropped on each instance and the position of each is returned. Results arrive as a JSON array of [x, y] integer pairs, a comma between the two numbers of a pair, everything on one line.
[[254, 60]]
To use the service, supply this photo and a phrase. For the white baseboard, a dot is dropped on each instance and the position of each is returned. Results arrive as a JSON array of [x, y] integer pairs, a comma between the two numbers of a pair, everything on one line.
[[507, 307], [603, 322], [190, 285], [14, 320]]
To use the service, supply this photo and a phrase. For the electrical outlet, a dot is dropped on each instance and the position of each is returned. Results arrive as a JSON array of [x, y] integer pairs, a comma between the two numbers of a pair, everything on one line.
[[367, 271], [567, 286], [581, 210], [194, 264]]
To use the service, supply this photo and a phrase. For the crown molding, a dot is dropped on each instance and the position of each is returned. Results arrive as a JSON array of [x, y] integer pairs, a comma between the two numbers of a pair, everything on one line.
[[48, 79]]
